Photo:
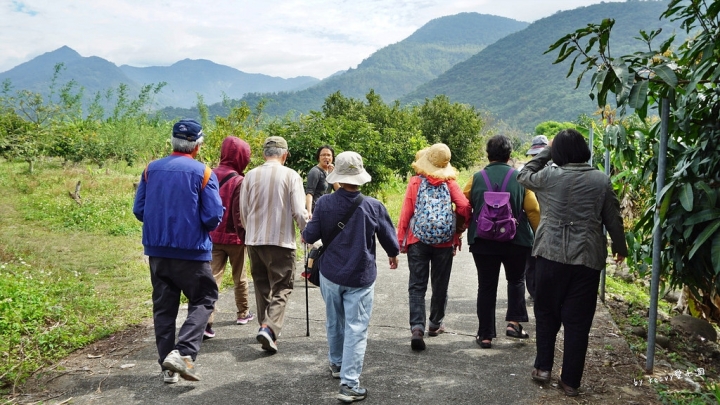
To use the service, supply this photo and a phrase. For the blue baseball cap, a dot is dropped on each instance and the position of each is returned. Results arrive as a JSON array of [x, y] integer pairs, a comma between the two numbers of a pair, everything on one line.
[[189, 130]]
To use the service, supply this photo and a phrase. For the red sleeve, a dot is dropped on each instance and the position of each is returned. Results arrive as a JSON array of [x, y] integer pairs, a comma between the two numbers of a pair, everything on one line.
[[405, 236], [462, 205], [234, 224]]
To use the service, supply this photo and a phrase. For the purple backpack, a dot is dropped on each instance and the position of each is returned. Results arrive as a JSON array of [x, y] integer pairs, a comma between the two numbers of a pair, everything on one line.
[[496, 221]]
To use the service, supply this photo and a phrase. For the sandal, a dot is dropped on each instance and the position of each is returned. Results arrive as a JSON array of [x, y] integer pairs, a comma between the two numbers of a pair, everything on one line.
[[516, 331], [482, 343]]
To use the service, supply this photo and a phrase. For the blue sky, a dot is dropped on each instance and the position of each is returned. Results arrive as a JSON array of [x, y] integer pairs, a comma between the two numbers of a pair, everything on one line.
[[285, 38]]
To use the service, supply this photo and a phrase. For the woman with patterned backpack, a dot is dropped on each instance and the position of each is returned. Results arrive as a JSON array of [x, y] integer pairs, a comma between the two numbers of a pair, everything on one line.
[[428, 233], [490, 244]]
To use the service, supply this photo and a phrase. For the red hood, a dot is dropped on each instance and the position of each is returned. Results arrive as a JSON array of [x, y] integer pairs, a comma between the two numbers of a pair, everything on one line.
[[234, 154]]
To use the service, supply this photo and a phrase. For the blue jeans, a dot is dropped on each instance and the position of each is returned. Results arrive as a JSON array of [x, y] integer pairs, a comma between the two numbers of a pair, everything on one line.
[[434, 263], [348, 311]]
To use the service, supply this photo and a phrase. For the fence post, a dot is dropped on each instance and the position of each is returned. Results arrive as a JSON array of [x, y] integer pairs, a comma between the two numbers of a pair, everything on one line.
[[657, 235]]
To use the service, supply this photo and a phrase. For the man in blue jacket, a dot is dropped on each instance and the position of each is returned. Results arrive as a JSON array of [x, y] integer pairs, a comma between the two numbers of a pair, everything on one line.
[[179, 204]]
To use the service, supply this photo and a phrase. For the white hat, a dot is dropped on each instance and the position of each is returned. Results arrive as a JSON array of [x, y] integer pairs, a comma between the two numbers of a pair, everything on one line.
[[538, 143], [349, 170]]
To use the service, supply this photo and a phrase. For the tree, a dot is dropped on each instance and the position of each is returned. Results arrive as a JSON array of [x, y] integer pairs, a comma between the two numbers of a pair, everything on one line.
[[457, 125], [689, 204]]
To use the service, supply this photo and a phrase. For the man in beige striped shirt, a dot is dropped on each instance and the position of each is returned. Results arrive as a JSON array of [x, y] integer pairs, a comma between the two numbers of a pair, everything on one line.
[[272, 201]]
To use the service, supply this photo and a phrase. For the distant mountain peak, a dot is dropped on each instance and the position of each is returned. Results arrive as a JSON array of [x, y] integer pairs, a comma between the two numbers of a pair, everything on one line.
[[65, 52]]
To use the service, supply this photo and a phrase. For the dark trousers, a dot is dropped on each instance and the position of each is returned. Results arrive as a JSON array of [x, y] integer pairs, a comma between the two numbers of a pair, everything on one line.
[[488, 270], [169, 278], [434, 263], [565, 294], [530, 275]]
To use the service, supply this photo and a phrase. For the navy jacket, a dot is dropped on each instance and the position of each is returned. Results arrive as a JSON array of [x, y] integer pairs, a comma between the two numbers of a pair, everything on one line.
[[350, 259]]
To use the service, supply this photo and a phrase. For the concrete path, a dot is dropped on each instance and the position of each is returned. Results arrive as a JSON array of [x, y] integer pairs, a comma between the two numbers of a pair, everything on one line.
[[234, 369]]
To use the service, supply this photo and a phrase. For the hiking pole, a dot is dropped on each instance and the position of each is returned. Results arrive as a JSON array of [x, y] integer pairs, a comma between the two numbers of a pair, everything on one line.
[[307, 305]]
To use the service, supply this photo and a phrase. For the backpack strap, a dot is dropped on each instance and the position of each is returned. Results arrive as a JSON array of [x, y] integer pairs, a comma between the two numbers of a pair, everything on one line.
[[145, 173], [226, 178], [487, 180], [507, 179], [206, 176], [341, 225]]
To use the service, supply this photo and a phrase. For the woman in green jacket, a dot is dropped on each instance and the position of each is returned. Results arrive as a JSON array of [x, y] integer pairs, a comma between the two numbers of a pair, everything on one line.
[[577, 200], [489, 254]]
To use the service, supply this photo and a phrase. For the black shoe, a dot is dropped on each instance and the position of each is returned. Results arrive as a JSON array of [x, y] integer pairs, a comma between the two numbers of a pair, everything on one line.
[[417, 343], [569, 391], [484, 345], [348, 394], [516, 331]]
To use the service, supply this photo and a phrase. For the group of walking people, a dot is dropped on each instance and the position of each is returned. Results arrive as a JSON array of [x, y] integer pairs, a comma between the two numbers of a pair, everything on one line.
[[548, 217]]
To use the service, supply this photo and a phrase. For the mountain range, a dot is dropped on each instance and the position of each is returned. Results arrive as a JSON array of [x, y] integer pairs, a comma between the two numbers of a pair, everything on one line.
[[514, 80], [493, 63], [184, 79]]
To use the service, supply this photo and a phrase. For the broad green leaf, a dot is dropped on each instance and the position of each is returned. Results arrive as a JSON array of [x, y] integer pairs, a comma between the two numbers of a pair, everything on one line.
[[686, 196], [715, 254], [666, 74], [638, 94], [702, 216], [708, 232]]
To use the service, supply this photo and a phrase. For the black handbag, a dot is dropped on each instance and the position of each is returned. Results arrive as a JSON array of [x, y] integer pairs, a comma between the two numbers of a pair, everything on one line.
[[312, 269]]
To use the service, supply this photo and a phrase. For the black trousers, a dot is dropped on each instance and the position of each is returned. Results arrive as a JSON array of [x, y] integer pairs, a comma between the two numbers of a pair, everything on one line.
[[564, 294], [488, 270], [530, 275], [170, 278]]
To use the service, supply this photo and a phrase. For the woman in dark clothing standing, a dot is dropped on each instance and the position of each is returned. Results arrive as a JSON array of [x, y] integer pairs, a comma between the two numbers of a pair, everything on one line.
[[490, 254], [317, 184], [577, 200]]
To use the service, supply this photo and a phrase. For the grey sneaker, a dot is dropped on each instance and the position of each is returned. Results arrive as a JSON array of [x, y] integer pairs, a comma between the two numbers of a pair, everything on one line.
[[170, 377], [335, 370], [348, 394], [182, 365]]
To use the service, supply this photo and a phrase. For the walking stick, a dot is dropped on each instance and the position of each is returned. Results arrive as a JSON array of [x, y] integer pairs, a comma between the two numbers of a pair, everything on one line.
[[307, 305]]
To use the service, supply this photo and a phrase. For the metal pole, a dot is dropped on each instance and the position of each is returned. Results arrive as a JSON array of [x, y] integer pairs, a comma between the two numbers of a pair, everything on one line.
[[657, 235], [592, 145], [603, 272], [307, 300]]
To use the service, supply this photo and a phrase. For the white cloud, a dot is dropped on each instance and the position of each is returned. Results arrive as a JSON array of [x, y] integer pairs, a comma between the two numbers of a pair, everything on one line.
[[284, 38]]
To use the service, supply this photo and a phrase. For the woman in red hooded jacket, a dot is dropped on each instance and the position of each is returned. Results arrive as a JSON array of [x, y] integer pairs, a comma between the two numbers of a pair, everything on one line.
[[228, 237]]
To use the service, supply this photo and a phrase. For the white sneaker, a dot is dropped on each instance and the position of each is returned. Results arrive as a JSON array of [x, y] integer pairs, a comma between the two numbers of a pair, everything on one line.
[[170, 377], [181, 364]]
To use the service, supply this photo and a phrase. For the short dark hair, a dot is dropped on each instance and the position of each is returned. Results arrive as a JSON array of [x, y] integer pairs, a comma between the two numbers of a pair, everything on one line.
[[317, 154], [569, 146], [499, 148]]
